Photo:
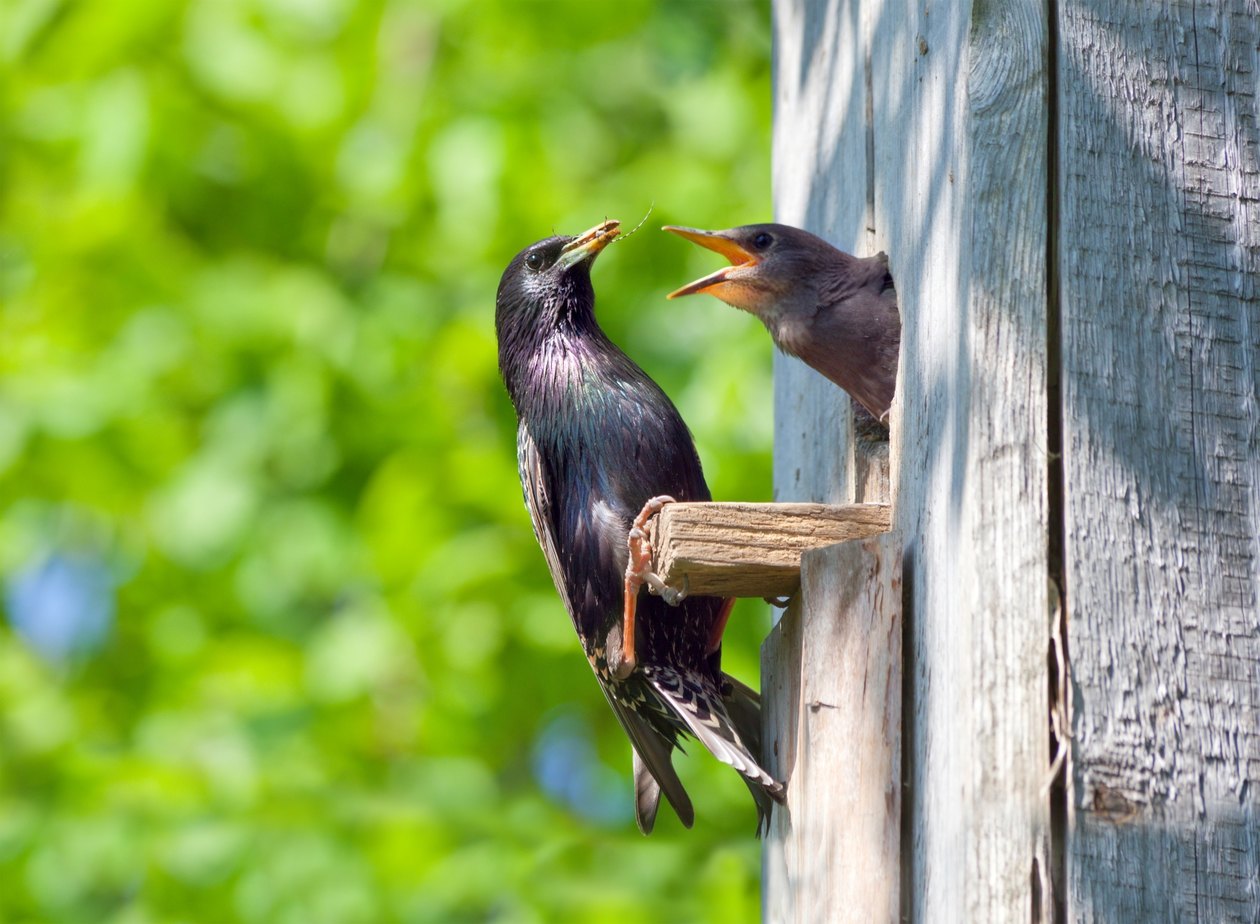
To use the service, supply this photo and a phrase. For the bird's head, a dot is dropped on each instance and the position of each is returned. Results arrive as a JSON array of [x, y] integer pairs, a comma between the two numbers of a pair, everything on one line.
[[550, 281], [770, 264]]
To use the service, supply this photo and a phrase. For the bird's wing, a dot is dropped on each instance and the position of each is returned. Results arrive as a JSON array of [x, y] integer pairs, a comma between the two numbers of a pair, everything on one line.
[[653, 769], [541, 512], [596, 545]]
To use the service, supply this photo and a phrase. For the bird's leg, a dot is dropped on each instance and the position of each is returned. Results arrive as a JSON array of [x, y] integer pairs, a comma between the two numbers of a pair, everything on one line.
[[719, 625], [626, 667], [639, 572]]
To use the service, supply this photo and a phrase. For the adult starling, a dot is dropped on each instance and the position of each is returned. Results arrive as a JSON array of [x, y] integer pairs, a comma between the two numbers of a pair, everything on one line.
[[835, 311], [596, 440]]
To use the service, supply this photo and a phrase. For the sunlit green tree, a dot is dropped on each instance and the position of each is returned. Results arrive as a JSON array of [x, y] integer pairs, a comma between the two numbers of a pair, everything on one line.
[[279, 644]]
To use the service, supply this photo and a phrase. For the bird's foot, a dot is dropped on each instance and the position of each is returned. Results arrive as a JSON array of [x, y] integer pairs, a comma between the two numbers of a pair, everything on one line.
[[639, 567], [779, 603], [673, 595], [639, 572]]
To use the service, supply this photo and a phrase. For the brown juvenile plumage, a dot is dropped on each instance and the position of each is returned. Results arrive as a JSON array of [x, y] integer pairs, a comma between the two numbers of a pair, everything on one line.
[[835, 311]]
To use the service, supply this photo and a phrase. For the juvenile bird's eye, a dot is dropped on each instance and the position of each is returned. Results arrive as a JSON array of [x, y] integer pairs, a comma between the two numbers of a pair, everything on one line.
[[534, 261], [762, 240]]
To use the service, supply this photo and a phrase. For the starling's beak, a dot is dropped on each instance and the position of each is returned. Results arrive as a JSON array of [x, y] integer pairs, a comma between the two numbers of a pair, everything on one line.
[[587, 245], [719, 242]]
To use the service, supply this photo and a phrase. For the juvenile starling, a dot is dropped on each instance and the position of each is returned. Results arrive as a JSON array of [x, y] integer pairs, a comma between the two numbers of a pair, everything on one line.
[[596, 439], [835, 311]]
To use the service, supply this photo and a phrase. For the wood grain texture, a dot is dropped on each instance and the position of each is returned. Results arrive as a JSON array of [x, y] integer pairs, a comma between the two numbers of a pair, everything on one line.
[[819, 179], [751, 550], [921, 130], [833, 721], [1160, 245]]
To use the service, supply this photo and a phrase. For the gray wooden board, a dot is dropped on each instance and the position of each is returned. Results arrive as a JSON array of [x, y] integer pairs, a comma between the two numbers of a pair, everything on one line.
[[921, 130], [751, 550], [833, 734], [1160, 245]]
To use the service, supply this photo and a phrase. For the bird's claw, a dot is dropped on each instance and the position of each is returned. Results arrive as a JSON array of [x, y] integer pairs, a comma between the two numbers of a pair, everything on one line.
[[639, 566], [639, 572], [655, 585], [673, 595], [780, 603]]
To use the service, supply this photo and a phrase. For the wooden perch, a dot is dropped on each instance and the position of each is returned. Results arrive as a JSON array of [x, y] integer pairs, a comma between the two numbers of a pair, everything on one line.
[[751, 550]]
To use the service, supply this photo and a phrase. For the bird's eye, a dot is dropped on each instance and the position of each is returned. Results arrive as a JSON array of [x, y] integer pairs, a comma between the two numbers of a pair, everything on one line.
[[534, 261], [762, 240]]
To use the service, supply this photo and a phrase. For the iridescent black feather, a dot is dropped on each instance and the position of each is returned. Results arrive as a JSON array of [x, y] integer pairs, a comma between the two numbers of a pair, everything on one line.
[[596, 438]]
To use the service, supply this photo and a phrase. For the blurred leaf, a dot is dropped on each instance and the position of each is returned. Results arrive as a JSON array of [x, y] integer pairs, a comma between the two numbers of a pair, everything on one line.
[[248, 257]]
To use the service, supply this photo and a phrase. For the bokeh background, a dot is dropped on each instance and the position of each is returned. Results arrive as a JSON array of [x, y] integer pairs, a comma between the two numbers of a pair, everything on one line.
[[278, 644]]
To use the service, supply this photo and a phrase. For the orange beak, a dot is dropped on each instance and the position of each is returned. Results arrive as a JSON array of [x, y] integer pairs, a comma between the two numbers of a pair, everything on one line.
[[716, 241]]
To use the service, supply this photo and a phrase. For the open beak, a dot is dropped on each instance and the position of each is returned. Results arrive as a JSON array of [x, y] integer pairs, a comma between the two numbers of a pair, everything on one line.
[[719, 242], [588, 244]]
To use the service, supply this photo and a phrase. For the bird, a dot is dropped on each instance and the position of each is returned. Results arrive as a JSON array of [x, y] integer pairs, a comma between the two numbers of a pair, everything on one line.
[[597, 440], [835, 311]]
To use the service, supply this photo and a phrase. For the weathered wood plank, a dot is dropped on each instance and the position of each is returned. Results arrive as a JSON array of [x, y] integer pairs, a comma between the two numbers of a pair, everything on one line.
[[751, 550], [833, 732], [820, 183], [921, 130], [1160, 262]]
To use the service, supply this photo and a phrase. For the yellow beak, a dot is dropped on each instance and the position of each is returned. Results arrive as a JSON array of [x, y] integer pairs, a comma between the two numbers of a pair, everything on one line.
[[588, 244]]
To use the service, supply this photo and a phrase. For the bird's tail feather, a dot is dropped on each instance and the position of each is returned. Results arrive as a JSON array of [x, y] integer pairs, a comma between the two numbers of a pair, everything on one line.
[[647, 794], [704, 712], [653, 770]]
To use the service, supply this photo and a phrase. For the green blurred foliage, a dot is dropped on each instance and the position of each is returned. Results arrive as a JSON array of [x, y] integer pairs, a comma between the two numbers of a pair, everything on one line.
[[248, 255]]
